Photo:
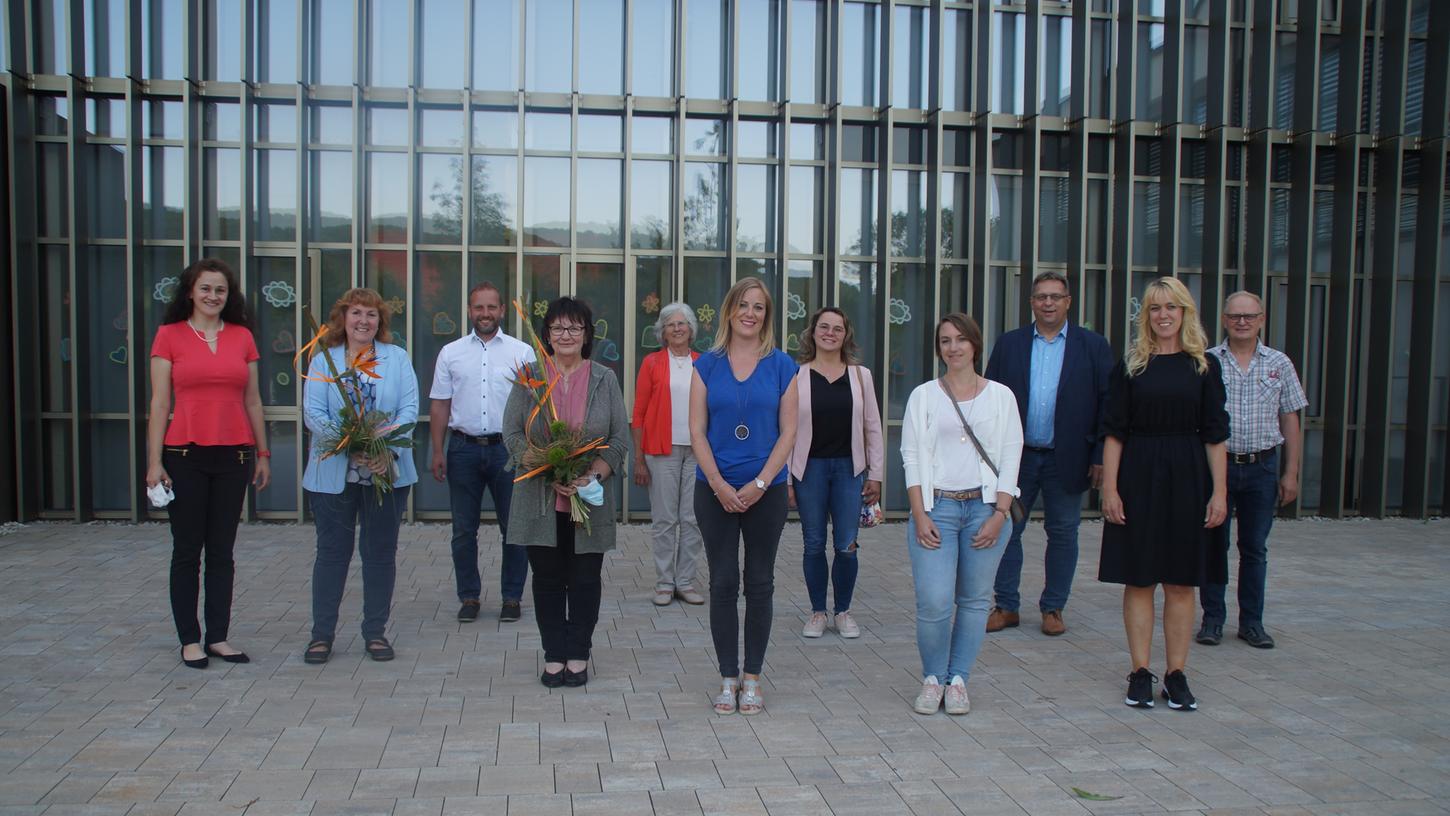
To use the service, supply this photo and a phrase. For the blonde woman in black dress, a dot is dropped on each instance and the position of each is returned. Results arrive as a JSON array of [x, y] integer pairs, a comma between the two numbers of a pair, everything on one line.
[[1164, 488]]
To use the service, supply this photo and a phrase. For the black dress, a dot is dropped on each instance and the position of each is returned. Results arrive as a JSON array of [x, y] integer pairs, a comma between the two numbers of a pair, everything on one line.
[[1164, 417]]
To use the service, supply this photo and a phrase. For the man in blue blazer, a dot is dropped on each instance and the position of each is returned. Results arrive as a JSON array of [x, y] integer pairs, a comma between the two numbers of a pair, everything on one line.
[[1060, 376]]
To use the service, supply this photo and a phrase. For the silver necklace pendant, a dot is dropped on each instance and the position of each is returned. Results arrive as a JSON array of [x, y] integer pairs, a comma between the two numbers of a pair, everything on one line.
[[742, 432]]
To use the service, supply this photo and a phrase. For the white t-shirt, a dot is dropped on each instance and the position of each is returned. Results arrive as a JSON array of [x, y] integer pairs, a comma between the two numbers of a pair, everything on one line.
[[957, 464], [681, 369]]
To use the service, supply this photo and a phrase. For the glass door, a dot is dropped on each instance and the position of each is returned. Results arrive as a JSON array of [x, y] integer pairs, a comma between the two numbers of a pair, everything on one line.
[[279, 285]]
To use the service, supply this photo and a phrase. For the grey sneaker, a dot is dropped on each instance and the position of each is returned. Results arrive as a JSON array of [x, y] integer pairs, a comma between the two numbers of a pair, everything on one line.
[[1209, 634], [929, 700], [816, 626], [1255, 636], [957, 701], [846, 626]]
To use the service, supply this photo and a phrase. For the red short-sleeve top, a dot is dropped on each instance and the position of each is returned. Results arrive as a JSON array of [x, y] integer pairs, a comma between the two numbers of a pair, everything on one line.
[[210, 387]]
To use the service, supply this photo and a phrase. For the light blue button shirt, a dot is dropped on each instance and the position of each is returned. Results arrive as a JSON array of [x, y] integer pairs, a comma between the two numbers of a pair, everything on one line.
[[1042, 389]]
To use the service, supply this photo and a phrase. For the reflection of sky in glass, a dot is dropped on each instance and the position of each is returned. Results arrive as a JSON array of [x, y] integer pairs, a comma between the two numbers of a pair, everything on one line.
[[807, 27], [704, 137], [1054, 83], [550, 24], [276, 205], [332, 195], [705, 44], [440, 127], [332, 32], [597, 207], [275, 123], [910, 74], [1009, 41], [546, 131], [805, 195], [159, 39], [652, 134], [105, 50], [277, 40], [221, 122], [1003, 197], [224, 196], [387, 197], [956, 46], [807, 141], [160, 120], [442, 58], [654, 22], [601, 133], [649, 209], [440, 198], [224, 47], [388, 47], [755, 139], [332, 124], [495, 200], [704, 205], [164, 178], [547, 193], [601, 51], [755, 208], [496, 45], [858, 216], [759, 49], [860, 44], [387, 125], [495, 128], [908, 213]]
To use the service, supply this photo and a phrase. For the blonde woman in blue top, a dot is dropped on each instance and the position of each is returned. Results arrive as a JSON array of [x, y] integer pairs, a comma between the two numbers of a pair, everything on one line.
[[742, 429], [340, 489]]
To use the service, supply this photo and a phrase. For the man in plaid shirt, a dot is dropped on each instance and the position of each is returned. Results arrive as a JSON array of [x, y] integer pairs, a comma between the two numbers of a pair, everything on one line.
[[1264, 400]]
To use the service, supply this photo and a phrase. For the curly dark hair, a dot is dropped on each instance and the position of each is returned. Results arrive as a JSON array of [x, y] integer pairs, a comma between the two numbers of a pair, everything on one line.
[[850, 355], [235, 311]]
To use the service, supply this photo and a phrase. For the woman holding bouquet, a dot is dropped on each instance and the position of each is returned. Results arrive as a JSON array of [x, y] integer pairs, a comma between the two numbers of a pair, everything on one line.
[[567, 557], [742, 427], [340, 488]]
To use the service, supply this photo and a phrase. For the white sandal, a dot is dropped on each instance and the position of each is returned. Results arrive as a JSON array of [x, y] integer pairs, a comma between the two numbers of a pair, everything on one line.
[[751, 700], [725, 702]]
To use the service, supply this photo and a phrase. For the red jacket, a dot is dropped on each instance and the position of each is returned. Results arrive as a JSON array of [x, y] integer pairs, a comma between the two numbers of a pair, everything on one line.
[[652, 403]]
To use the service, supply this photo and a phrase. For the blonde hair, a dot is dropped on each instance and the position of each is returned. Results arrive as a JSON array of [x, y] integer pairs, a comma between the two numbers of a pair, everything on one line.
[[732, 304], [1191, 337]]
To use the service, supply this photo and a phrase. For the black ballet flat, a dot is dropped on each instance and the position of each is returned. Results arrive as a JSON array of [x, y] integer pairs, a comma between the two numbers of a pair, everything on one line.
[[199, 663], [553, 679], [576, 679], [239, 657]]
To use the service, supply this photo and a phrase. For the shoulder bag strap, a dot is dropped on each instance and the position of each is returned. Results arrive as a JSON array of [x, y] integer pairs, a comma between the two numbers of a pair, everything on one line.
[[978, 445]]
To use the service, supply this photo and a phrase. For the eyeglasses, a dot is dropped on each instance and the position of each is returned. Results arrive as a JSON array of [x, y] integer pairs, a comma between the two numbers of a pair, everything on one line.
[[1049, 297], [831, 329], [677, 324], [1245, 317], [572, 331]]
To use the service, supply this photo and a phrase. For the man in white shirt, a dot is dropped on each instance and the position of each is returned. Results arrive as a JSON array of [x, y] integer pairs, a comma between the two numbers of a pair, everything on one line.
[[471, 384]]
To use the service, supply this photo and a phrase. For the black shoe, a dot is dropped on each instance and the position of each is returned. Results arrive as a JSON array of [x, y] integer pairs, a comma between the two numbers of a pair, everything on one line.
[[553, 679], [318, 651], [1175, 691], [1255, 636], [379, 649], [511, 612], [239, 657], [576, 679], [1140, 688], [468, 613], [199, 663], [1209, 634]]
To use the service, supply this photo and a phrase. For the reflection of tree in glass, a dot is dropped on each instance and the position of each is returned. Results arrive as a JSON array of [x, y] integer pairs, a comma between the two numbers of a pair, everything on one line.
[[492, 221], [704, 206]]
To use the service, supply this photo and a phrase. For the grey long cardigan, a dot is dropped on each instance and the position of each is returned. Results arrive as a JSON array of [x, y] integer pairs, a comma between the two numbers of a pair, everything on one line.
[[531, 513]]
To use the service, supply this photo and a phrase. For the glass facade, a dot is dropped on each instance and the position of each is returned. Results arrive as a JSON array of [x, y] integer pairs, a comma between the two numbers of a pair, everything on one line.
[[898, 158]]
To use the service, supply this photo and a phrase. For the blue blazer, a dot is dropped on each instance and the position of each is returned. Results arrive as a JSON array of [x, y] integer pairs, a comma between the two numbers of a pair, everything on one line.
[[396, 393], [1082, 395]]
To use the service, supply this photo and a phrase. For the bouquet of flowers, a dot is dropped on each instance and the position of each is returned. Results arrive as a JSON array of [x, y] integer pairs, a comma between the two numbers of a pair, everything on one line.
[[357, 430], [563, 455]]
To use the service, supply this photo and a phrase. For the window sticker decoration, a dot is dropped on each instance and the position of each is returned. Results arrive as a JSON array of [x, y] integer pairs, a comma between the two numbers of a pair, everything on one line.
[[651, 303], [280, 294], [541, 308], [165, 289], [898, 313], [443, 325], [283, 379], [122, 321], [396, 305], [649, 339], [795, 306], [608, 349], [118, 355], [706, 315], [284, 342]]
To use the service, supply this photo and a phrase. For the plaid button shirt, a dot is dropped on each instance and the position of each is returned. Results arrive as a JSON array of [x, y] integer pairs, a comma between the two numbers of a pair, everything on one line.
[[1258, 396]]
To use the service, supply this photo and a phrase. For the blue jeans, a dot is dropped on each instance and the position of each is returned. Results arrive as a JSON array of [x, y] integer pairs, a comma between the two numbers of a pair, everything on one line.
[[471, 468], [338, 516], [829, 488], [1253, 496], [953, 588], [1062, 513]]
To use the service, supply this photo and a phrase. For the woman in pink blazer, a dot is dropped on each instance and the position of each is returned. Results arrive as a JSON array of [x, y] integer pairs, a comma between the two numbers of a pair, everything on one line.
[[835, 466]]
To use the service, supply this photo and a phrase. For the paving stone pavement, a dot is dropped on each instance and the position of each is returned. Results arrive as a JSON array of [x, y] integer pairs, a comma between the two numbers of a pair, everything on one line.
[[1349, 715]]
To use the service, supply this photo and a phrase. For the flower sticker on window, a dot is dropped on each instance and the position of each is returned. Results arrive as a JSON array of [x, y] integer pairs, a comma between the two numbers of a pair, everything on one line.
[[165, 289], [279, 293], [651, 303], [795, 306], [706, 314], [898, 313]]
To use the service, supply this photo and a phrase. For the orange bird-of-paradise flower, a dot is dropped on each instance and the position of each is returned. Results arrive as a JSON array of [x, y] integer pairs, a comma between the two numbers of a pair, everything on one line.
[[366, 362]]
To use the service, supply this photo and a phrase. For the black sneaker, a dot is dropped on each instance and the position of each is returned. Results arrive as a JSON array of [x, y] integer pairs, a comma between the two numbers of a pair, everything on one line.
[[1209, 634], [1140, 688], [511, 612], [1255, 636], [469, 611], [1175, 691]]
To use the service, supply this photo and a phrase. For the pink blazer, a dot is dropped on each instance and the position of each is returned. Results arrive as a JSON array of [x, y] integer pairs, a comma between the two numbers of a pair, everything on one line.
[[866, 442]]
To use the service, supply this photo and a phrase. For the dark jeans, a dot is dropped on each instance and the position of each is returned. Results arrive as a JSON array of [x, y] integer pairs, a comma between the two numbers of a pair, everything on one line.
[[1062, 513], [760, 527], [567, 587], [829, 488], [471, 468], [338, 516], [210, 482], [1253, 496]]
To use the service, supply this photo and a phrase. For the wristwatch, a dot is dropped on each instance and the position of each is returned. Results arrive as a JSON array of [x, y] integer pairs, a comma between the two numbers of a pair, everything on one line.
[[759, 484]]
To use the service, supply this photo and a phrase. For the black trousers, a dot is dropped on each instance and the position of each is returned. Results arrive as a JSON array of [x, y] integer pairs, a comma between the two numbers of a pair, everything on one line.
[[567, 587], [210, 482], [760, 528]]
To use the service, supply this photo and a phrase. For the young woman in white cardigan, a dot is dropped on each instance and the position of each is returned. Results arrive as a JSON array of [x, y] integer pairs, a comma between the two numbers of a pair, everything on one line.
[[960, 508]]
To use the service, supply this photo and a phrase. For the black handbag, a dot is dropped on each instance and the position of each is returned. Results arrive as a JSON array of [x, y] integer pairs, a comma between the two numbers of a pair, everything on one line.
[[1019, 513]]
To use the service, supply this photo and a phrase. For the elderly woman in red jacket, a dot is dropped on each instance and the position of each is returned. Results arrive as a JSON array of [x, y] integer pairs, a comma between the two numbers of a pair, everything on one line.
[[663, 459]]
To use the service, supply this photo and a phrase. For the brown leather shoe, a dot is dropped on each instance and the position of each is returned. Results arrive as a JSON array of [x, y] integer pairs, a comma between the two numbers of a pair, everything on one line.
[[1052, 624], [1000, 619]]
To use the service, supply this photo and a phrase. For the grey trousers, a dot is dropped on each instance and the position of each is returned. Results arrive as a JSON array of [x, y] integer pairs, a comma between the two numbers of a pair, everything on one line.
[[676, 536]]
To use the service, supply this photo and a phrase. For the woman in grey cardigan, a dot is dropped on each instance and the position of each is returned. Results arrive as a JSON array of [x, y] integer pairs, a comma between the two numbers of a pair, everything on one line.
[[567, 560]]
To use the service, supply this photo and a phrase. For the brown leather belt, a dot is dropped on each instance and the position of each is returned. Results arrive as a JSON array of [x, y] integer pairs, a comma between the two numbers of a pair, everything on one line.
[[959, 495]]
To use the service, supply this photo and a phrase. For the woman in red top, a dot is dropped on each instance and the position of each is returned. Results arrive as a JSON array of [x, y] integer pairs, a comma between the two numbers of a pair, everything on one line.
[[215, 443]]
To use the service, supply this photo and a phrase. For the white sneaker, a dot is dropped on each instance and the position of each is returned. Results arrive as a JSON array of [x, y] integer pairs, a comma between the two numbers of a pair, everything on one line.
[[929, 700], [845, 626], [956, 697], [816, 626]]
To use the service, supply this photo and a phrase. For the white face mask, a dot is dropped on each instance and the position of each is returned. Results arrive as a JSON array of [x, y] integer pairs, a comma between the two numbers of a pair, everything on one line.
[[592, 493]]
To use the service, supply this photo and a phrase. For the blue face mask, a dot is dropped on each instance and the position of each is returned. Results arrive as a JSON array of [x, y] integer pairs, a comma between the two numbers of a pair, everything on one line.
[[592, 493]]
